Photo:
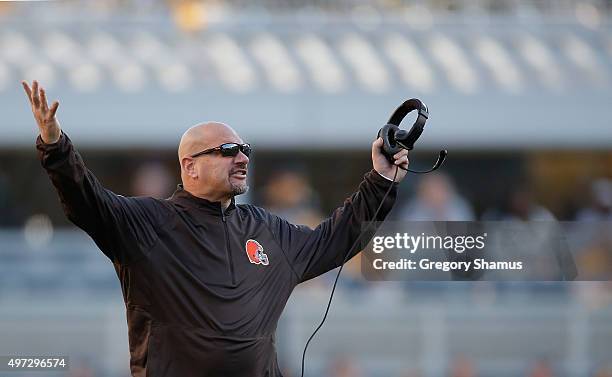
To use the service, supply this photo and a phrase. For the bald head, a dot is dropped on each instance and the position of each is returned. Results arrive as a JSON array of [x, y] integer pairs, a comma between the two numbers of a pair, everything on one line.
[[212, 176], [205, 135]]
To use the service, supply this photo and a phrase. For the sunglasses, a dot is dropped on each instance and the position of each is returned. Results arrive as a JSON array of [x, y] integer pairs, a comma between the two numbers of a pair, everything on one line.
[[227, 150]]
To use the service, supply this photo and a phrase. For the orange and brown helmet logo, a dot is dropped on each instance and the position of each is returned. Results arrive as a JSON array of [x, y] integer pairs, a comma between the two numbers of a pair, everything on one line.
[[255, 252]]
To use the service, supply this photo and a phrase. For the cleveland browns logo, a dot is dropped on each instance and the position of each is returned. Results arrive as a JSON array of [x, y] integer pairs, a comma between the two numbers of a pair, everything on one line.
[[255, 253]]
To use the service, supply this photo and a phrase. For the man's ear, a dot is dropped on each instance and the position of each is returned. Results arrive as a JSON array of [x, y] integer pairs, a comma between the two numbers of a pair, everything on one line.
[[188, 166]]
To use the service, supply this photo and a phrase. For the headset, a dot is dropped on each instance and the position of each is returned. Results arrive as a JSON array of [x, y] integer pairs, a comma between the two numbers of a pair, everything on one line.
[[394, 140]]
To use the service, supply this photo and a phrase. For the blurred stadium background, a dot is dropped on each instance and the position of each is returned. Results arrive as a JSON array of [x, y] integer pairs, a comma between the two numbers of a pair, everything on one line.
[[520, 92]]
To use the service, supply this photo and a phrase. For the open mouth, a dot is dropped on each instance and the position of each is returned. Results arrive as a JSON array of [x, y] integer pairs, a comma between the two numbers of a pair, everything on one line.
[[239, 173]]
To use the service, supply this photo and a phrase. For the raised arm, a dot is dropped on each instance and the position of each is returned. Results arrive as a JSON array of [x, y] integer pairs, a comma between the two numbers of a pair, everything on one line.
[[123, 228], [312, 252]]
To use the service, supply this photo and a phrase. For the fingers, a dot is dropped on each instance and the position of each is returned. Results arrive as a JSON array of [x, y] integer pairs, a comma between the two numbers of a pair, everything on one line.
[[401, 153], [53, 108], [401, 158], [27, 89], [403, 162], [43, 99], [35, 98], [38, 98]]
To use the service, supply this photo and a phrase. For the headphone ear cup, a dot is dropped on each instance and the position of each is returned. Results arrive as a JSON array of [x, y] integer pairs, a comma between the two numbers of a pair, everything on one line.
[[387, 133]]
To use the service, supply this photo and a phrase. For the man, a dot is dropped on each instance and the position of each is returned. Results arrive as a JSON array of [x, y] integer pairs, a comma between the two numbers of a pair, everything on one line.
[[204, 280]]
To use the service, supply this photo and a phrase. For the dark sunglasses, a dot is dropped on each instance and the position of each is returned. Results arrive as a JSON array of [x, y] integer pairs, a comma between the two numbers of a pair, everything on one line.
[[227, 150]]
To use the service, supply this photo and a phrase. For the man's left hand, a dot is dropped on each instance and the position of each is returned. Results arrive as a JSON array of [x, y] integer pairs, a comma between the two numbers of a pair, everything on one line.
[[384, 167]]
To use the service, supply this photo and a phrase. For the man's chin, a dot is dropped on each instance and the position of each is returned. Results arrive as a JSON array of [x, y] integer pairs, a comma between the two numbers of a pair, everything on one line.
[[239, 189]]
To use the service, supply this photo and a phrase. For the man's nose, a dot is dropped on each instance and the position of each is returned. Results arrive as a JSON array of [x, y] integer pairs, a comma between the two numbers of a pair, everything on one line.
[[241, 158]]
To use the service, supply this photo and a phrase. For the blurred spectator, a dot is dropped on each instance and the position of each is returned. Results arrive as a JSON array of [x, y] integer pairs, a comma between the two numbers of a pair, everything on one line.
[[437, 200], [600, 207], [520, 206], [154, 180], [289, 195], [189, 15], [595, 258], [462, 367], [523, 207], [591, 233]]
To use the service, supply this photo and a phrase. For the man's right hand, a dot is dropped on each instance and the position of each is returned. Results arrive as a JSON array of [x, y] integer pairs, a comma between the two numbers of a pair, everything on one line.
[[48, 125]]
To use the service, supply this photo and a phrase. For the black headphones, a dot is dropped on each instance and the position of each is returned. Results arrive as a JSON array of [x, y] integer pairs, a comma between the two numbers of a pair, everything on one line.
[[396, 139]]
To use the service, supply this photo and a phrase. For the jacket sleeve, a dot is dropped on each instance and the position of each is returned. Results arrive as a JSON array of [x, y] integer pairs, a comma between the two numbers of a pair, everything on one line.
[[312, 252], [124, 228]]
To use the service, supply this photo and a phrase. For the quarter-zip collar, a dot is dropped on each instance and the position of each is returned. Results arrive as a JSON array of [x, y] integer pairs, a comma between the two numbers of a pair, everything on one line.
[[183, 197]]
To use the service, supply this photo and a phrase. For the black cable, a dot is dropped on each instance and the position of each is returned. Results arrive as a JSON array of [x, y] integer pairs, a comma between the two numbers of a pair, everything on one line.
[[331, 296]]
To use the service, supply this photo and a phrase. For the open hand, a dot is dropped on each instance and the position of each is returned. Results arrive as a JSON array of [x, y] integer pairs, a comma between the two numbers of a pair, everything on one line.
[[48, 125]]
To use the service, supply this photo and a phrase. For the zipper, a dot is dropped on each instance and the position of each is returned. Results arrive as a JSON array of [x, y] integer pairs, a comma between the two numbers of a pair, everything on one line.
[[227, 248]]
